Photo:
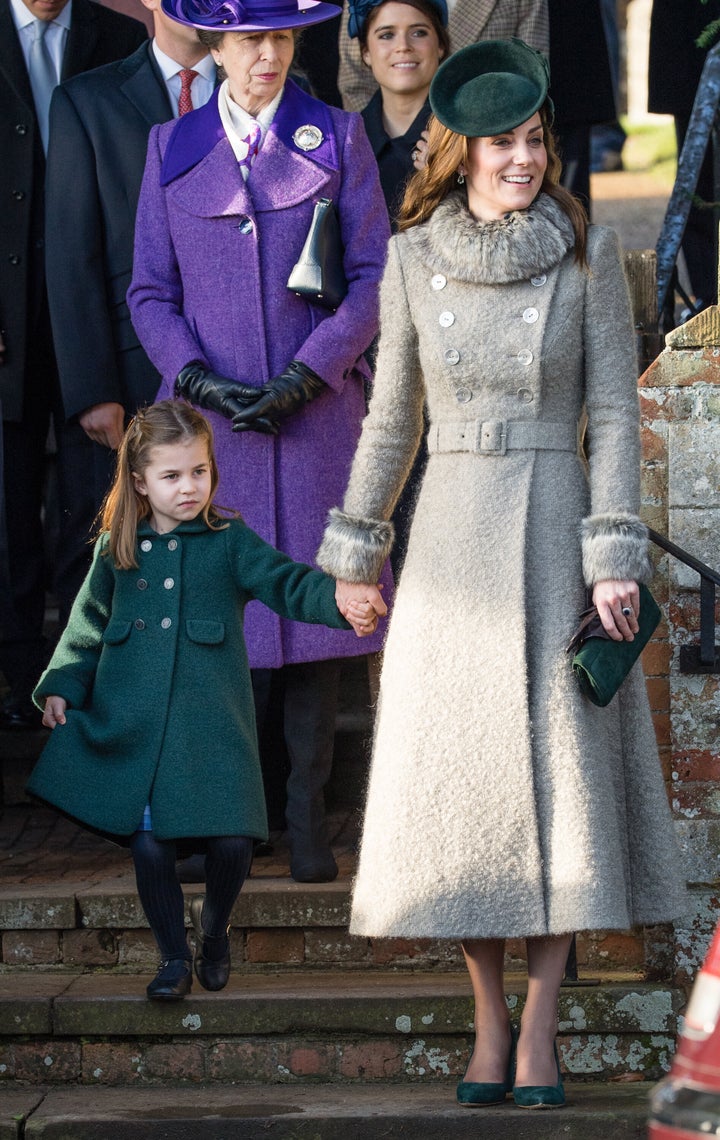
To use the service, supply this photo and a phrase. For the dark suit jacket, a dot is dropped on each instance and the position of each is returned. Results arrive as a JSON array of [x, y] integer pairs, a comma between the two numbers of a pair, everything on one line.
[[100, 124], [676, 61], [97, 35]]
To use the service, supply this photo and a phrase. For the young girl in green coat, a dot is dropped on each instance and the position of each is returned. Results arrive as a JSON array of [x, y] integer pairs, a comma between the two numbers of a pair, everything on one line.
[[148, 692]]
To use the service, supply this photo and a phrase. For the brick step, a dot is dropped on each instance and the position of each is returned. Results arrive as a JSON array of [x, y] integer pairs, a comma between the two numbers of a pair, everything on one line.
[[318, 1112], [77, 923], [100, 1029]]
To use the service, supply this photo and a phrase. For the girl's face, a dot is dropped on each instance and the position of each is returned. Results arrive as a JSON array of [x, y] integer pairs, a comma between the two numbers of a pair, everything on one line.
[[256, 64], [177, 483], [505, 172], [403, 50]]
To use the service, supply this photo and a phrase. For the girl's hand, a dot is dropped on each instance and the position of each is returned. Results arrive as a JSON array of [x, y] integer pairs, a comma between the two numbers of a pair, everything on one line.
[[54, 711], [361, 604], [613, 599]]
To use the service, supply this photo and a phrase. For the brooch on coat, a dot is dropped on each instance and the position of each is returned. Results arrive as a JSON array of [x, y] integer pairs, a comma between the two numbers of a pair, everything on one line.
[[308, 137]]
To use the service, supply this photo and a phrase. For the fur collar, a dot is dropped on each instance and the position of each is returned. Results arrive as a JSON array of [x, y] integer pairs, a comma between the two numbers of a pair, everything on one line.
[[518, 246]]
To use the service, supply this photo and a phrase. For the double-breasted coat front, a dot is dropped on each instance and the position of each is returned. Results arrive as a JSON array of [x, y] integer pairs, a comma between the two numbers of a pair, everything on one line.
[[501, 802], [154, 668], [212, 259]]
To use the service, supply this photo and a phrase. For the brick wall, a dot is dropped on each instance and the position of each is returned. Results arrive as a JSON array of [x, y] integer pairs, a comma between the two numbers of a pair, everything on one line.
[[680, 425]]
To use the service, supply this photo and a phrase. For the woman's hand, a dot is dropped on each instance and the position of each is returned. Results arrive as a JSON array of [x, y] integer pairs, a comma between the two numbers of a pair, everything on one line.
[[54, 712], [614, 598], [419, 152], [280, 397], [361, 604]]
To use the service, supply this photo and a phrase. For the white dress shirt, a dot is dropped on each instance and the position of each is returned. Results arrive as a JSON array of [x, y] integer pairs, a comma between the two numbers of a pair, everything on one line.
[[55, 37]]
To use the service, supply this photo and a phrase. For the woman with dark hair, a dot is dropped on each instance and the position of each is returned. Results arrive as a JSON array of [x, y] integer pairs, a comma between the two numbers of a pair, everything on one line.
[[502, 803], [403, 43], [227, 202]]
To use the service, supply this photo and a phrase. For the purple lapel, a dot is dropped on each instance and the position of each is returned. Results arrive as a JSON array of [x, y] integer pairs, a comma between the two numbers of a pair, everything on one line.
[[193, 138], [298, 109]]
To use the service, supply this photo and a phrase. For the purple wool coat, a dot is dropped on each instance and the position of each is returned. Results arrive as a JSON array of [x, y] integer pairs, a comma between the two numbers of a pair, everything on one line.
[[212, 258]]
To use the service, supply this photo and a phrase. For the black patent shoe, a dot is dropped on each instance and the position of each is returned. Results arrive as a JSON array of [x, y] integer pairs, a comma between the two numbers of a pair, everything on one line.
[[172, 981], [212, 973]]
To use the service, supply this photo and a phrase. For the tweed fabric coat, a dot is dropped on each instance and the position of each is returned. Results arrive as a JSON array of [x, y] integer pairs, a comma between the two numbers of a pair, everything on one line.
[[212, 258], [501, 802], [154, 668]]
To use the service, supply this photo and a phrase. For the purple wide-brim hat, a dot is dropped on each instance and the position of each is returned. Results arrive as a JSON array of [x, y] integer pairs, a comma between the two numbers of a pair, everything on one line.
[[248, 15]]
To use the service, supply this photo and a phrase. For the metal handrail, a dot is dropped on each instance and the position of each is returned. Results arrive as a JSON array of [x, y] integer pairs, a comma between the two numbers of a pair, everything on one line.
[[694, 659]]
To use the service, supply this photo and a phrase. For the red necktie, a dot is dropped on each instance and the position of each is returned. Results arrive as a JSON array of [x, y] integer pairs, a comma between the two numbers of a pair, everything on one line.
[[185, 101]]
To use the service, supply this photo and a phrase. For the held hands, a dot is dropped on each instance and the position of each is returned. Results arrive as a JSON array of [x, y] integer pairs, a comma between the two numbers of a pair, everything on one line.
[[360, 604], [205, 388], [54, 713], [296, 386], [613, 599]]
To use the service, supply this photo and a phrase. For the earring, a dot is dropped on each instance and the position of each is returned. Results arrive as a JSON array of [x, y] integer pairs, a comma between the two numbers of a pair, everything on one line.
[[461, 179]]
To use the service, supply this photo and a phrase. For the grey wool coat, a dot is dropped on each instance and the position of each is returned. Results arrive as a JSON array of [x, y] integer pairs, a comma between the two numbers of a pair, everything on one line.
[[154, 668], [501, 802]]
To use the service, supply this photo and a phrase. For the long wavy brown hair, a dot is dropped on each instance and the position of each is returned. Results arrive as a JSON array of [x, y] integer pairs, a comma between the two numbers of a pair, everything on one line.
[[447, 151], [168, 422]]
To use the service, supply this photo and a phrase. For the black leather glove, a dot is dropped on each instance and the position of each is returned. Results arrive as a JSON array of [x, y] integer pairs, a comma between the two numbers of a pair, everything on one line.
[[280, 397], [200, 386]]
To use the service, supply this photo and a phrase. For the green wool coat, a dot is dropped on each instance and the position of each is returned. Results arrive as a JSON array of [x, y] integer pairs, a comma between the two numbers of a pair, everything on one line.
[[154, 668]]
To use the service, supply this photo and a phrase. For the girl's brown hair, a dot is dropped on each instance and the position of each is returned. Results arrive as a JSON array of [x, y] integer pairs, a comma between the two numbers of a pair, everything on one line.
[[169, 422], [447, 151]]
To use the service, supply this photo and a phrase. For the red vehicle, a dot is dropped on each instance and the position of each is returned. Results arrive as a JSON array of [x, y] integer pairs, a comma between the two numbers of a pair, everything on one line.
[[686, 1104]]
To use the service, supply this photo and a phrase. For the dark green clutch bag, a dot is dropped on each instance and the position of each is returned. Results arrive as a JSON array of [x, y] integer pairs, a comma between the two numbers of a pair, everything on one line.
[[601, 664]]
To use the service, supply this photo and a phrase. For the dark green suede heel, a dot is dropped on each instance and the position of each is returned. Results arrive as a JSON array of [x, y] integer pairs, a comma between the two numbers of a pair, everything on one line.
[[541, 1096], [480, 1094]]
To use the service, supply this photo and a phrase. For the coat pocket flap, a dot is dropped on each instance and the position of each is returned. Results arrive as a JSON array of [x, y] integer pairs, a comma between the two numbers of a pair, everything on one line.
[[205, 632], [116, 632]]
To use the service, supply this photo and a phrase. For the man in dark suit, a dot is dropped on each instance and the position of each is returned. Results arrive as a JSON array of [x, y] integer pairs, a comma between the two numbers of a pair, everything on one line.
[[68, 40], [100, 123]]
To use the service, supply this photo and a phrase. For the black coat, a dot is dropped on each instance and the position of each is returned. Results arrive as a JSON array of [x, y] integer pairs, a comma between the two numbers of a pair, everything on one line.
[[97, 35], [580, 77], [676, 61], [100, 124]]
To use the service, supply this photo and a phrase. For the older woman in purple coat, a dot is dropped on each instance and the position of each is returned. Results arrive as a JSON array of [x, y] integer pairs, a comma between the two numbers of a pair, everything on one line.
[[226, 204]]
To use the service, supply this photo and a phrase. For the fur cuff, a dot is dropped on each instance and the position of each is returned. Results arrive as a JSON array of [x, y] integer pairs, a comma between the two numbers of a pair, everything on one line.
[[355, 549], [615, 546]]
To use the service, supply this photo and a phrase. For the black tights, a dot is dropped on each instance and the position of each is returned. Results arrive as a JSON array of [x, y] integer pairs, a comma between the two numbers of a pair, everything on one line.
[[227, 864]]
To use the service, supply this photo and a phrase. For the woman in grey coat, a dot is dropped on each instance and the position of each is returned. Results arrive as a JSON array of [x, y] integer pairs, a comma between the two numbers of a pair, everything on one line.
[[501, 802]]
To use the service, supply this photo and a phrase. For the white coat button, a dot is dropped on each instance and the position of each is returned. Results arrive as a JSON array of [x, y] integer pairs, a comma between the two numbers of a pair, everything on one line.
[[141, 584], [172, 545], [169, 583], [452, 356], [139, 623], [525, 395], [463, 395], [530, 316], [539, 280], [166, 623], [446, 319], [146, 545], [525, 356], [439, 281]]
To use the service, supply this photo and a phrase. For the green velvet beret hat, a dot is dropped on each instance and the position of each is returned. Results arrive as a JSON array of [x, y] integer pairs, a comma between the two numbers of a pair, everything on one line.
[[490, 87]]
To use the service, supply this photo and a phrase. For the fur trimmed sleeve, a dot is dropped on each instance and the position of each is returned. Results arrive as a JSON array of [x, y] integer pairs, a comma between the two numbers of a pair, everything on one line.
[[359, 537], [614, 540], [355, 549], [615, 546]]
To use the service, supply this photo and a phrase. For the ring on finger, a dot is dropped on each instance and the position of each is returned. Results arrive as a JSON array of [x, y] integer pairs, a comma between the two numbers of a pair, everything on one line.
[[627, 611]]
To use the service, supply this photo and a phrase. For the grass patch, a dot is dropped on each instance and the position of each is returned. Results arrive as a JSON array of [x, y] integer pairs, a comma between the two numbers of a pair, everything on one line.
[[651, 148]]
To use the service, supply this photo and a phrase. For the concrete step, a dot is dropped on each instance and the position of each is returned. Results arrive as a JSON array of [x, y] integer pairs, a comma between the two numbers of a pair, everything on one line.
[[363, 1026], [318, 1112]]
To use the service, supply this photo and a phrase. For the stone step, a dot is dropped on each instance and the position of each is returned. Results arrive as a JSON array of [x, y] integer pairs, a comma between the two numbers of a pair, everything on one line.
[[319, 1112], [99, 923], [100, 1029]]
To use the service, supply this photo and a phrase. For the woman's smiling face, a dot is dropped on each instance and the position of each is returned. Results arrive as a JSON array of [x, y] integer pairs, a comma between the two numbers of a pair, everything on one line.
[[403, 50], [505, 172]]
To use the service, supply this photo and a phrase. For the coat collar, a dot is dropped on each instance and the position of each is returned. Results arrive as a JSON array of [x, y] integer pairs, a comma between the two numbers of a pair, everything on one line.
[[196, 134], [144, 85], [519, 246]]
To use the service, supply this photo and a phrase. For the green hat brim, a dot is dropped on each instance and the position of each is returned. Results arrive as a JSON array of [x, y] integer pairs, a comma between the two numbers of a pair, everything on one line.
[[489, 87]]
